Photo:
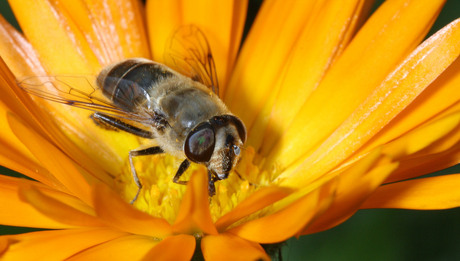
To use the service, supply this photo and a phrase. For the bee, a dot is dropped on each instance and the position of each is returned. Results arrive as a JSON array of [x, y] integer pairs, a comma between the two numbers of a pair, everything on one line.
[[180, 110]]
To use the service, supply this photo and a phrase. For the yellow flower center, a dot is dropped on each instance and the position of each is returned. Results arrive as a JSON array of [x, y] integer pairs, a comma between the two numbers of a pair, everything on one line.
[[161, 197]]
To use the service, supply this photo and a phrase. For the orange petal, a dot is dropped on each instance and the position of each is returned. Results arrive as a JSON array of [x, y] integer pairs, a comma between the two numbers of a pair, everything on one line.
[[394, 94], [57, 210], [131, 247], [49, 30], [194, 215], [257, 201], [265, 49], [437, 98], [55, 244], [361, 68], [423, 136], [163, 18], [430, 147], [230, 247], [355, 184], [4, 244], [324, 35], [168, 248], [295, 212], [15, 156], [72, 176], [21, 213], [425, 194], [116, 212], [49, 27], [221, 21], [21, 59], [425, 164], [114, 30]]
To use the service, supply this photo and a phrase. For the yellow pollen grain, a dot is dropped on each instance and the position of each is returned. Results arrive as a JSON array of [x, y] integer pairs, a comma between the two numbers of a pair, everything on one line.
[[160, 197]]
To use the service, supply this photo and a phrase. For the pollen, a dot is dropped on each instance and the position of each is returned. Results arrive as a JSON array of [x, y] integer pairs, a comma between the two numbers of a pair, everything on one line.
[[161, 197], [248, 177]]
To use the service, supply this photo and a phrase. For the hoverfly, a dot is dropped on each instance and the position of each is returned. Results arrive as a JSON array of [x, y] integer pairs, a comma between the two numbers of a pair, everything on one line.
[[182, 113]]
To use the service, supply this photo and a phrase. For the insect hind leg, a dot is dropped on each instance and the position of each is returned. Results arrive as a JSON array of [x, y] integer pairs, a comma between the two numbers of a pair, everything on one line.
[[135, 153]]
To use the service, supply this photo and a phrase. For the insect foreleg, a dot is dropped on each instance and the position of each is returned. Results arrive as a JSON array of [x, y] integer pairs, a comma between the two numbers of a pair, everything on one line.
[[182, 168], [103, 119], [143, 152]]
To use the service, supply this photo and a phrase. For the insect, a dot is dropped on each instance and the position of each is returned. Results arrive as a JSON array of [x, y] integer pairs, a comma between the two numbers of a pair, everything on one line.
[[148, 99]]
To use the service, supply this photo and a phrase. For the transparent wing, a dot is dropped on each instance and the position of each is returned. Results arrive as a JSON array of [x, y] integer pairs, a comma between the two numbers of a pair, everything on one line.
[[77, 91], [189, 53]]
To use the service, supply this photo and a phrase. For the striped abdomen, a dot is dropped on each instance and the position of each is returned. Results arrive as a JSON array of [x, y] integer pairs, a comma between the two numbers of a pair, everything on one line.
[[128, 83]]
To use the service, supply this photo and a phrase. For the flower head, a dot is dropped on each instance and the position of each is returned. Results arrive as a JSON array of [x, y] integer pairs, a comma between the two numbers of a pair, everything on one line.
[[341, 109]]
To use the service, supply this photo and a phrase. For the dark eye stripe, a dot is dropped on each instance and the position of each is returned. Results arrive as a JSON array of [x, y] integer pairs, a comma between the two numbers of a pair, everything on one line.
[[221, 120], [229, 140]]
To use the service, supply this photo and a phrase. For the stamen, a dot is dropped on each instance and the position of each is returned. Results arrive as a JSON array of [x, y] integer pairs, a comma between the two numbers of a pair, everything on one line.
[[161, 197]]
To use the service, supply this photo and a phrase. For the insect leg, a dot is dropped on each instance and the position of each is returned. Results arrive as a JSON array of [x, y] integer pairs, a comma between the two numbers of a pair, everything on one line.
[[144, 152], [182, 168], [106, 120], [211, 186]]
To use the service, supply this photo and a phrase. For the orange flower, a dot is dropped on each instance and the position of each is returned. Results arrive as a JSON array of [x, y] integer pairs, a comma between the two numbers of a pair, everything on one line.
[[341, 109]]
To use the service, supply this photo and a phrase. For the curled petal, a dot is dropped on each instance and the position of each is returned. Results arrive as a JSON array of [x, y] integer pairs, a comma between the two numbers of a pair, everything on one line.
[[54, 244], [230, 247], [194, 215], [428, 148], [20, 213], [56, 209], [168, 248], [64, 169], [257, 201], [290, 216], [422, 137], [130, 247], [116, 212], [425, 164], [355, 184], [424, 194], [4, 245], [15, 156]]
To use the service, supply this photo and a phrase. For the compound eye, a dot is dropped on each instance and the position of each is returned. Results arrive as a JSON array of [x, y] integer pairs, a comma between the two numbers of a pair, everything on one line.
[[200, 143]]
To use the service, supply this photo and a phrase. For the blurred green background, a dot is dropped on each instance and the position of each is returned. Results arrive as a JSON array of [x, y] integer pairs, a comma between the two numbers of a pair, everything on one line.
[[384, 234]]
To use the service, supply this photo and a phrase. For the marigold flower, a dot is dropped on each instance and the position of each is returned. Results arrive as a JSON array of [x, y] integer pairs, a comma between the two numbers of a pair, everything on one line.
[[342, 110]]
